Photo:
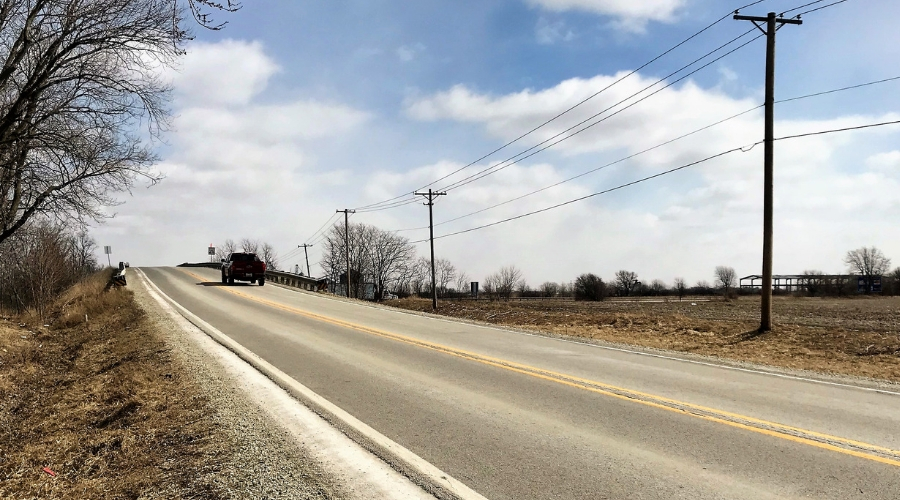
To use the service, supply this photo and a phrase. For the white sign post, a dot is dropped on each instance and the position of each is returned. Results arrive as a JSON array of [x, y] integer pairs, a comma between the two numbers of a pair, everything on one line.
[[108, 250]]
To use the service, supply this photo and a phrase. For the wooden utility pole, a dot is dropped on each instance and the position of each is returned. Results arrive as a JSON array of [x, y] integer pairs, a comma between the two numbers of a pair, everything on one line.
[[347, 213], [430, 195], [305, 246], [772, 24]]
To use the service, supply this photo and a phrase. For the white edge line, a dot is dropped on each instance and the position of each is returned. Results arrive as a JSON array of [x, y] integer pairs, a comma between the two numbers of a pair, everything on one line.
[[436, 477], [621, 349]]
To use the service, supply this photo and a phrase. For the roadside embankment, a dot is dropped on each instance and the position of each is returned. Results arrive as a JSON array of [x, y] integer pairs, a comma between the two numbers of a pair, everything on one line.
[[96, 403]]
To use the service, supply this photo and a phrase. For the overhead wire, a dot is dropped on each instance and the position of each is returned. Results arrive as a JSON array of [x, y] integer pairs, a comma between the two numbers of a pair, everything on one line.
[[670, 141], [554, 118], [538, 149], [598, 193], [660, 174], [518, 157], [819, 8]]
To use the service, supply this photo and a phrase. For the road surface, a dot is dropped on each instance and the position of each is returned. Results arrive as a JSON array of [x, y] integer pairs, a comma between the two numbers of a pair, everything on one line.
[[517, 416]]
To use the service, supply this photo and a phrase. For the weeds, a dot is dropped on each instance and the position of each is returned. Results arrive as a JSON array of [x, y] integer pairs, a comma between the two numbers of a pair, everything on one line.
[[96, 403]]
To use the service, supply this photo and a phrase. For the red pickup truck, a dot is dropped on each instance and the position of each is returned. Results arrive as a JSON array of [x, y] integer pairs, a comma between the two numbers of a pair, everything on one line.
[[243, 266]]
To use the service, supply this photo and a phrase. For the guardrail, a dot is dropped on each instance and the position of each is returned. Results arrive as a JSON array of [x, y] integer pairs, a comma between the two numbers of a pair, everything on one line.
[[294, 280], [280, 277]]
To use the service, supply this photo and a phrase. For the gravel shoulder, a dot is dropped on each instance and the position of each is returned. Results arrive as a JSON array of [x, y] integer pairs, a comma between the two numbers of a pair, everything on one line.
[[265, 459]]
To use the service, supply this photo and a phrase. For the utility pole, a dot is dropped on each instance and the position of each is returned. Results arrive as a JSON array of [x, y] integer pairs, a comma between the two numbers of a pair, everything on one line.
[[305, 246], [430, 195], [772, 22], [347, 213]]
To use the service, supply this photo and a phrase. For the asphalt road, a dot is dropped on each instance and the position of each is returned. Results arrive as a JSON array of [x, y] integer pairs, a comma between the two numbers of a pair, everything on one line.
[[516, 416]]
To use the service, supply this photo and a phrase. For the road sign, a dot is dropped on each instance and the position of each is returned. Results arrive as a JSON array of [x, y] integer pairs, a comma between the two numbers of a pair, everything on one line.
[[212, 250], [107, 250]]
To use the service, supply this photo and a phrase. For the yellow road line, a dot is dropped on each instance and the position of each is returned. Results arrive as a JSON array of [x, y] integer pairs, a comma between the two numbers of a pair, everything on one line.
[[795, 434]]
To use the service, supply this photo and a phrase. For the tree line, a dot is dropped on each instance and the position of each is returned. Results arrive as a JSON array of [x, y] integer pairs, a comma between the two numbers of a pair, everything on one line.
[[39, 261], [264, 250]]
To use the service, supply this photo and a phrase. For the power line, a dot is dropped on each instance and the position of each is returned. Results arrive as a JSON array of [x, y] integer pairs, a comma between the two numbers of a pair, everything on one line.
[[660, 174], [321, 227], [800, 7], [512, 160], [598, 193], [819, 8], [670, 141], [370, 206], [835, 130], [839, 90], [507, 163], [620, 160]]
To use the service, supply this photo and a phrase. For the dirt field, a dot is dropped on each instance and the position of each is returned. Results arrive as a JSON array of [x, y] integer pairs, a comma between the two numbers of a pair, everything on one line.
[[848, 336], [93, 404]]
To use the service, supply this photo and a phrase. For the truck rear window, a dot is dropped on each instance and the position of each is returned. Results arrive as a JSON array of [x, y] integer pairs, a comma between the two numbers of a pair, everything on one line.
[[244, 257]]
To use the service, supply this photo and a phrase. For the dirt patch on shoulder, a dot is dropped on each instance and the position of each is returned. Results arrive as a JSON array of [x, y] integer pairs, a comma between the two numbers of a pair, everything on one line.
[[857, 337]]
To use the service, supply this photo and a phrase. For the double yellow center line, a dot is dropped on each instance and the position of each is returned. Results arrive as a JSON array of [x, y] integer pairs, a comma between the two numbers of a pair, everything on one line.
[[803, 436]]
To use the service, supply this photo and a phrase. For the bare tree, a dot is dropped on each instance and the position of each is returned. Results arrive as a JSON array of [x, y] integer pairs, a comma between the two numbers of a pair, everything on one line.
[[269, 256], [895, 281], [199, 9], [589, 286], [380, 259], [549, 289], [77, 79], [509, 278], [491, 285], [389, 257], [867, 262], [40, 261], [814, 281], [249, 245], [725, 278], [421, 276], [626, 282], [83, 253], [463, 284], [658, 287], [680, 287], [225, 249], [445, 273]]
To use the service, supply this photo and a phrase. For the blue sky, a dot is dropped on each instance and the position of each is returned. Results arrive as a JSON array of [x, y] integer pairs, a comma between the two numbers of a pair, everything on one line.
[[296, 109]]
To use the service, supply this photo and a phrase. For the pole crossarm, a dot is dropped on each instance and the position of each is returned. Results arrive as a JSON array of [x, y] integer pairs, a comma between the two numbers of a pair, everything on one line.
[[431, 195], [758, 19]]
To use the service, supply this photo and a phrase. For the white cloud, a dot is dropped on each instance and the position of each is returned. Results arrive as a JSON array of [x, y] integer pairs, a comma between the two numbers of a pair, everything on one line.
[[407, 53], [888, 163], [235, 167], [228, 72], [670, 112], [631, 14], [549, 32], [240, 167], [688, 221]]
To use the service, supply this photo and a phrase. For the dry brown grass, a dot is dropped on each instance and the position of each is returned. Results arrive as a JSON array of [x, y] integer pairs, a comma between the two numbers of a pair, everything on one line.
[[858, 336], [101, 403]]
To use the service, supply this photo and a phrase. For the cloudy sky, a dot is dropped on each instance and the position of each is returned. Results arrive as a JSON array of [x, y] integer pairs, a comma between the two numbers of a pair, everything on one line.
[[297, 109]]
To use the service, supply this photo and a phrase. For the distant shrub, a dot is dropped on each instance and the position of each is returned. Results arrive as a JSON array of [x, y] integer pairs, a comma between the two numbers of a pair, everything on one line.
[[589, 286]]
